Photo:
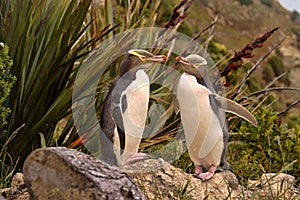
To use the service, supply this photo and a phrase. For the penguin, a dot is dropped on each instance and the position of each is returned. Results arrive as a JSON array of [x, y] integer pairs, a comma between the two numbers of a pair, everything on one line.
[[125, 109], [203, 117]]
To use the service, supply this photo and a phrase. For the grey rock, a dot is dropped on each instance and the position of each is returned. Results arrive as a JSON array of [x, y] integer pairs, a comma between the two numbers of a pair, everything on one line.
[[62, 173]]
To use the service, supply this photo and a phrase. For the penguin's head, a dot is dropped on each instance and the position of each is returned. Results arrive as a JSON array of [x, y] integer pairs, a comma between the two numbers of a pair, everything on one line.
[[136, 57], [192, 63]]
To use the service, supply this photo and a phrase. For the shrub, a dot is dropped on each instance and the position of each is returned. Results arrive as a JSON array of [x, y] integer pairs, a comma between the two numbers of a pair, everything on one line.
[[245, 2], [268, 73], [277, 65], [270, 147], [6, 82], [296, 31], [278, 68], [268, 3], [216, 50], [295, 16]]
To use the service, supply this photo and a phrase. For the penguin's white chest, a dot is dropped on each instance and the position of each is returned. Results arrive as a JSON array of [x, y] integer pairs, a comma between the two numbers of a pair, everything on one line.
[[136, 96], [134, 106], [201, 126]]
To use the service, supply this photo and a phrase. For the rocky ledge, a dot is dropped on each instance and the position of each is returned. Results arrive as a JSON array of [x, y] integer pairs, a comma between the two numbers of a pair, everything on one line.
[[61, 173]]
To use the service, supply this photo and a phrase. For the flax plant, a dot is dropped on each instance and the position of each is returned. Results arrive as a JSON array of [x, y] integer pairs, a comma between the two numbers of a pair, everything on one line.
[[46, 39]]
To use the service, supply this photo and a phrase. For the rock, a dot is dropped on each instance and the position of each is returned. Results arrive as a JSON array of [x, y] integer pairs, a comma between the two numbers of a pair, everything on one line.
[[277, 186], [18, 182], [18, 189], [5, 192], [62, 173], [160, 180], [278, 181]]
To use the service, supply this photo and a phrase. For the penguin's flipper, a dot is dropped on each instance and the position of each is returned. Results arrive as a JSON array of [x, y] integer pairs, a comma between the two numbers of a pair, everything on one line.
[[118, 118], [235, 108]]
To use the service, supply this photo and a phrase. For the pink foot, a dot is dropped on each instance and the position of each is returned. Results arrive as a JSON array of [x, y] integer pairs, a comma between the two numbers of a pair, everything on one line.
[[136, 157], [198, 170], [208, 175]]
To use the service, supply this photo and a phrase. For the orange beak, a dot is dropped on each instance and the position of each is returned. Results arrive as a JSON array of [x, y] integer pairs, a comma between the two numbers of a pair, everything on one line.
[[158, 58], [182, 60]]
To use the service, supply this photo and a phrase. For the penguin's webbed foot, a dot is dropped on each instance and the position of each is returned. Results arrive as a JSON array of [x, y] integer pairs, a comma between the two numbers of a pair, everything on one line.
[[198, 170], [206, 175], [136, 157]]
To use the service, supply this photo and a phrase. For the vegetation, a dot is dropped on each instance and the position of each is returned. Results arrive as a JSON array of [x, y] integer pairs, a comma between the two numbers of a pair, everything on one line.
[[278, 68], [54, 37], [245, 2], [295, 16], [268, 148], [49, 42], [296, 31], [268, 73], [269, 3], [6, 82]]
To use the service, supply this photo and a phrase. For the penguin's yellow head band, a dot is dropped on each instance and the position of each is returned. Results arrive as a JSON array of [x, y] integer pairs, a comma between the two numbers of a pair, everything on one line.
[[144, 55], [192, 60]]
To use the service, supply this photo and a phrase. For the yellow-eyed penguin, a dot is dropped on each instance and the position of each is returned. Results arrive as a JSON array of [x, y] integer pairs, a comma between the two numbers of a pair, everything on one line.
[[203, 117], [125, 108]]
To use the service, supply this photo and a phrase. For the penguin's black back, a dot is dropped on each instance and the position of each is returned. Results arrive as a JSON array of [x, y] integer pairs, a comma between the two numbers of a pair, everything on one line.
[[222, 120]]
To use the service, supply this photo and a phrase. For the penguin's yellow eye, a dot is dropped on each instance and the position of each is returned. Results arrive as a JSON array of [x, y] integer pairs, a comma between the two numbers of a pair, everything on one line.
[[142, 58]]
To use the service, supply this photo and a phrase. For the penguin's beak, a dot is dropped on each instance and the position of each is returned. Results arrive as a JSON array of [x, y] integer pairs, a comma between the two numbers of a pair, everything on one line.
[[157, 58], [182, 60]]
